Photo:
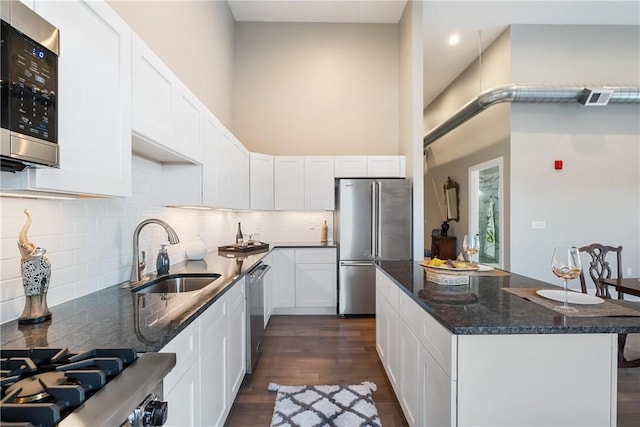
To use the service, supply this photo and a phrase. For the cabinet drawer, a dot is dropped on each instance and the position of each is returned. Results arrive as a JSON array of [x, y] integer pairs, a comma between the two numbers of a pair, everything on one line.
[[214, 314], [315, 256], [440, 342], [388, 289]]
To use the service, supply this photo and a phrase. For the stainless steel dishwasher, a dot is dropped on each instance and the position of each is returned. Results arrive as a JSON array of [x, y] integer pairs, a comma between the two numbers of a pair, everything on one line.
[[255, 313]]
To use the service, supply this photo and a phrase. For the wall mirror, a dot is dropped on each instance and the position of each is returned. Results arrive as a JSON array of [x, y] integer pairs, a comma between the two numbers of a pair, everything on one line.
[[486, 210], [451, 200]]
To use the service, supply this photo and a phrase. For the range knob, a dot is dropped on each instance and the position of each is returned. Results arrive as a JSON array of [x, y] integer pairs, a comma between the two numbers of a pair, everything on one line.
[[155, 413]]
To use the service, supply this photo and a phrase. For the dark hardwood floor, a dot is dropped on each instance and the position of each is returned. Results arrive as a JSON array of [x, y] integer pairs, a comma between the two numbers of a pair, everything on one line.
[[301, 350]]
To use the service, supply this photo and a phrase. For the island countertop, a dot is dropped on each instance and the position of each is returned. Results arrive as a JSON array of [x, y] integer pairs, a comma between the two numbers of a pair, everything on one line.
[[482, 307]]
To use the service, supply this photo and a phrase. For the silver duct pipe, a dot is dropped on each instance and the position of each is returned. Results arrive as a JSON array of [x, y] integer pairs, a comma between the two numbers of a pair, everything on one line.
[[527, 93]]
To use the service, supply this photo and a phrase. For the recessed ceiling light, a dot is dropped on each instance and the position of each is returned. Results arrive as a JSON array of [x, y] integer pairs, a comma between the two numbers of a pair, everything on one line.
[[454, 39]]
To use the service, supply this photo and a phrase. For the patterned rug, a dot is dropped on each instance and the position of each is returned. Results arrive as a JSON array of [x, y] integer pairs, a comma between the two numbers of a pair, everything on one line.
[[325, 406]]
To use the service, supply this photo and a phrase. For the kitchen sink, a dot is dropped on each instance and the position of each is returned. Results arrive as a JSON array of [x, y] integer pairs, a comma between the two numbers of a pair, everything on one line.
[[177, 283]]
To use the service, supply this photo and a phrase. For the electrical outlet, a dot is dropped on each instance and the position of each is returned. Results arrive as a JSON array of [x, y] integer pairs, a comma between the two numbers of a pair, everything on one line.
[[538, 225], [629, 272]]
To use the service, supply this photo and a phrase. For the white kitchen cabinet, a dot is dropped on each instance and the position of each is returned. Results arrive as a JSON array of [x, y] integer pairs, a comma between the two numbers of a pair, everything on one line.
[[387, 328], [410, 397], [350, 166], [182, 385], [316, 285], [186, 122], [304, 281], [319, 184], [166, 115], [210, 144], [370, 166], [386, 166], [94, 106], [213, 362], [232, 166], [236, 338], [284, 278], [261, 181], [152, 95], [289, 183], [438, 390], [241, 170]]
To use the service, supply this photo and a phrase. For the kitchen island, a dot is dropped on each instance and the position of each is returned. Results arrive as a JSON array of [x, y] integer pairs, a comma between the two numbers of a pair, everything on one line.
[[478, 355]]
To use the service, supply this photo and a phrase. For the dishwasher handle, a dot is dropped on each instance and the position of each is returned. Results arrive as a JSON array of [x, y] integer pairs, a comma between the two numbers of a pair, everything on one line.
[[259, 272]]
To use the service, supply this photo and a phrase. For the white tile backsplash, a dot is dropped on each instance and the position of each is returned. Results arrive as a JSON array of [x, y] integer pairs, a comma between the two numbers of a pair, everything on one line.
[[89, 241]]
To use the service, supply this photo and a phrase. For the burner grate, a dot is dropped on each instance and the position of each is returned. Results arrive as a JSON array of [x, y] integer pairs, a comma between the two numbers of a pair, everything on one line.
[[42, 385]]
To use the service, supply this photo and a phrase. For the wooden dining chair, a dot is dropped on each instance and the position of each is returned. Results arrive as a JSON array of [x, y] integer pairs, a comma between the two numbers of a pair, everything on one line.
[[599, 268]]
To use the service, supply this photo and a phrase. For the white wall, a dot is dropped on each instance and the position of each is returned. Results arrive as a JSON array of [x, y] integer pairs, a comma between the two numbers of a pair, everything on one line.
[[596, 197], [89, 241], [411, 70], [317, 89]]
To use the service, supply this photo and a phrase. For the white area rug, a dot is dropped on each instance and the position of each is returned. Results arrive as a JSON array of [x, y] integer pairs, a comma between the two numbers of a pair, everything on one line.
[[325, 406]]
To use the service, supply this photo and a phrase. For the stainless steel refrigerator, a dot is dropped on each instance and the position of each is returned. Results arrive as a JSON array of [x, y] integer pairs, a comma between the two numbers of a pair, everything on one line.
[[372, 221]]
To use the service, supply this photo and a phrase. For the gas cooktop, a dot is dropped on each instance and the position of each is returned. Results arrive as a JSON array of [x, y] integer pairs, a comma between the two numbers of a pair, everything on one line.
[[52, 387]]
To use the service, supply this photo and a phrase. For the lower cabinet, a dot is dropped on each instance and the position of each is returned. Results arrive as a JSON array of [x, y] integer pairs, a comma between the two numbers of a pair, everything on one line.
[[211, 363], [304, 281], [181, 386], [411, 345]]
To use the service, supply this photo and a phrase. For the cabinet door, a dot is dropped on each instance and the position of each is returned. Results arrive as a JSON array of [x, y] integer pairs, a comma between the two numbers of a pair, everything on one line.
[[289, 182], [316, 285], [186, 123], [94, 107], [350, 166], [213, 359], [284, 279], [261, 181], [382, 331], [410, 397], [211, 142], [242, 184], [184, 400], [393, 350], [236, 336], [152, 92], [319, 185], [384, 166], [437, 392]]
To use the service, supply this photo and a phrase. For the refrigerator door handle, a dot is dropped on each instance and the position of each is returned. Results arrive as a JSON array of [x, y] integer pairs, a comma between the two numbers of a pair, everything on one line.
[[378, 217], [374, 220], [356, 264]]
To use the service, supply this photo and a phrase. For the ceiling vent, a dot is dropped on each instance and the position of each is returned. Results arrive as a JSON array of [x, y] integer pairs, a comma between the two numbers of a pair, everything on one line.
[[595, 97]]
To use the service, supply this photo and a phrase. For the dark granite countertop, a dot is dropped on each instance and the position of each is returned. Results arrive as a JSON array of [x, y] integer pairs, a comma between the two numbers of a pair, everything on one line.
[[115, 317], [483, 308]]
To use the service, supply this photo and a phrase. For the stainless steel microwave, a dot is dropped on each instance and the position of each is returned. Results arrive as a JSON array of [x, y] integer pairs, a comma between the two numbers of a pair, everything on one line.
[[29, 89]]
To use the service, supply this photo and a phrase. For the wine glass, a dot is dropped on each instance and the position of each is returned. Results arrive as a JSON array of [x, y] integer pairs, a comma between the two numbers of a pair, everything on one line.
[[470, 246], [565, 264]]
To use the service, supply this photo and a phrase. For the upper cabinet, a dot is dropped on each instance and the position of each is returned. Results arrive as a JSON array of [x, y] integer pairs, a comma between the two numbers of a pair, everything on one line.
[[369, 166], [166, 115], [289, 182], [261, 175], [94, 121], [319, 187]]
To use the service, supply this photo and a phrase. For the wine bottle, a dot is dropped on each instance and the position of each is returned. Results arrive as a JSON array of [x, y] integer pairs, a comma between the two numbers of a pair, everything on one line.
[[239, 235]]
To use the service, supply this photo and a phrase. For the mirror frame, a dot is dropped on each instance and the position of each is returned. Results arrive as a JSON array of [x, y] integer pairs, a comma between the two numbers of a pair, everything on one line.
[[452, 200]]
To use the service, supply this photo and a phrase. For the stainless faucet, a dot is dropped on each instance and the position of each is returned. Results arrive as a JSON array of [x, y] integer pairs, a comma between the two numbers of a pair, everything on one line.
[[138, 266]]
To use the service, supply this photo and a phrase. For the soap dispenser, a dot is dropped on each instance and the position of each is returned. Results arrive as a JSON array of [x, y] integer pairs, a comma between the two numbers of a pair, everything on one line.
[[162, 263]]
